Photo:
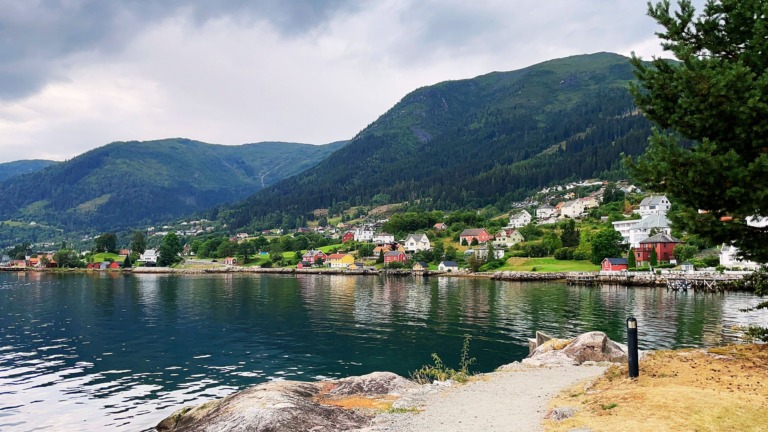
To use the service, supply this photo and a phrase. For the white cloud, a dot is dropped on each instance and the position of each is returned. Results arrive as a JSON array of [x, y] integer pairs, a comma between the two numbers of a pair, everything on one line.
[[231, 80]]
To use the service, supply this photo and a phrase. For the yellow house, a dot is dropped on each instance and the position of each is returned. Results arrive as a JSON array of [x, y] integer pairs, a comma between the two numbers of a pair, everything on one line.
[[339, 260]]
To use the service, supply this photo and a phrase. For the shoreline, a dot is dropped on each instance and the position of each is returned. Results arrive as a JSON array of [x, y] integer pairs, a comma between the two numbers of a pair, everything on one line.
[[628, 279]]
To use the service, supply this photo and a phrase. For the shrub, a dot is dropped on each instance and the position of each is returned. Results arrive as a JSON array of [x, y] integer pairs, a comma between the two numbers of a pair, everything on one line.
[[565, 253], [581, 255]]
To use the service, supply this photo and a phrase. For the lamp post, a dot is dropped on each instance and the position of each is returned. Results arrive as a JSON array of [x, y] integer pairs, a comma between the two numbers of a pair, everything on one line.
[[632, 354]]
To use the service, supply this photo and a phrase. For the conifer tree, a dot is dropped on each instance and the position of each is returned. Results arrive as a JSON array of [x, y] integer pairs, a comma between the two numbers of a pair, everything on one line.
[[716, 96]]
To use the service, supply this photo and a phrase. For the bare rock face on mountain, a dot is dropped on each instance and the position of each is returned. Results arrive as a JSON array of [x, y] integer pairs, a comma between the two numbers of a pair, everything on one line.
[[592, 346], [286, 406]]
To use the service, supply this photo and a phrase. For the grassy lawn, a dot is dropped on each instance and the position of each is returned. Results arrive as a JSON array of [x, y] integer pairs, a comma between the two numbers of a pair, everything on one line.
[[548, 264], [330, 248], [101, 257]]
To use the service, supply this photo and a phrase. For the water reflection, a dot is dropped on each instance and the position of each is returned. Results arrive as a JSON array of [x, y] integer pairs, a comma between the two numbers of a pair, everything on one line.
[[110, 351]]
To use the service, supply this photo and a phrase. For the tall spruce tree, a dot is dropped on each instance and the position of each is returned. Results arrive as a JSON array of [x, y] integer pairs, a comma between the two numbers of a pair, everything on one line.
[[715, 95]]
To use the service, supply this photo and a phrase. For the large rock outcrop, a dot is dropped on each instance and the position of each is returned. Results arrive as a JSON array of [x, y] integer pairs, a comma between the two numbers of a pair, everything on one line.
[[288, 406], [592, 346]]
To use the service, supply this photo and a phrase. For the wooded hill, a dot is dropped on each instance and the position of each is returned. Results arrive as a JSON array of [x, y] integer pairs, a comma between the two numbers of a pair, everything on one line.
[[13, 169], [472, 143], [126, 184]]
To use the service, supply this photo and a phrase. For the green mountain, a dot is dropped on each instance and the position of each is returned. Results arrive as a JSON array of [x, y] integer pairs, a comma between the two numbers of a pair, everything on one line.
[[124, 184], [13, 169], [472, 143]]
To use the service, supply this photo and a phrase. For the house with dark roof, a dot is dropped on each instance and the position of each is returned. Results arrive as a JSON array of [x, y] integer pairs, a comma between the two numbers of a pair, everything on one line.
[[479, 234], [448, 266], [614, 264], [657, 204], [664, 245]]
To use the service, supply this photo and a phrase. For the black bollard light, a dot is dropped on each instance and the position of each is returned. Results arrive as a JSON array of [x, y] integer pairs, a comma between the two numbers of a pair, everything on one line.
[[632, 355]]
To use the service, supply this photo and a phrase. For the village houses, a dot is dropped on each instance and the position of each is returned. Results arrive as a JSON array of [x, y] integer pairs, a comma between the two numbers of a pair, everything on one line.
[[481, 252], [339, 260], [545, 212], [364, 234], [416, 242], [383, 238], [663, 244], [572, 209], [313, 256], [508, 237], [479, 234], [654, 205], [520, 219], [635, 231], [729, 255], [395, 257], [448, 266]]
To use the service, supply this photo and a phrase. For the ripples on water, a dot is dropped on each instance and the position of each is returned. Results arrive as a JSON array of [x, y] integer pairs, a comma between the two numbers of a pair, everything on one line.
[[107, 351]]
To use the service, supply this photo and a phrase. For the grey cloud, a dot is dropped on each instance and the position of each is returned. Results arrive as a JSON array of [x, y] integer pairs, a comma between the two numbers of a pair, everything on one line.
[[39, 39]]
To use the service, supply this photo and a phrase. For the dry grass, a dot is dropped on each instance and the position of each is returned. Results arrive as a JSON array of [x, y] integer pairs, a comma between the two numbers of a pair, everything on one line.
[[359, 402], [356, 402], [720, 389]]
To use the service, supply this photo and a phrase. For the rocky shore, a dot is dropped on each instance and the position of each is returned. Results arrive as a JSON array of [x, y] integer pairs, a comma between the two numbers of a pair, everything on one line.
[[515, 394]]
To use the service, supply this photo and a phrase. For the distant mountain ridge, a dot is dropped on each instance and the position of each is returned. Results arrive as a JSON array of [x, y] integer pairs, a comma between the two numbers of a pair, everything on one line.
[[124, 184], [474, 142], [15, 168]]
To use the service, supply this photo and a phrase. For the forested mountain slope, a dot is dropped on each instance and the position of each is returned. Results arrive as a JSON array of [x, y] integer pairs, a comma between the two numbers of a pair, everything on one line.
[[15, 168], [474, 142], [124, 184]]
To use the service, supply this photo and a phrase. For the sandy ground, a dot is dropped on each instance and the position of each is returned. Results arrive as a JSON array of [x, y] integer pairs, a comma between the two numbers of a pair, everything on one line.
[[512, 400]]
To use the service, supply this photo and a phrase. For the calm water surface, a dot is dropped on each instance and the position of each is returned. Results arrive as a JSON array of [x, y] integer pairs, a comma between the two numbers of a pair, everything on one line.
[[121, 352]]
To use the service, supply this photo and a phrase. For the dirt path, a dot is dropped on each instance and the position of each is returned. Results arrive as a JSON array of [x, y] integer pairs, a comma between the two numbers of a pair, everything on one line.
[[514, 399]]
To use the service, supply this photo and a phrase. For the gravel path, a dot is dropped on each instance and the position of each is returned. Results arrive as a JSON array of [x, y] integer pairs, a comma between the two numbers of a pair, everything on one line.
[[511, 400]]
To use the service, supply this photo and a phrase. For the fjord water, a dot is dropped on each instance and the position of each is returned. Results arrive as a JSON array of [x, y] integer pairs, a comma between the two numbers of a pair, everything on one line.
[[120, 352]]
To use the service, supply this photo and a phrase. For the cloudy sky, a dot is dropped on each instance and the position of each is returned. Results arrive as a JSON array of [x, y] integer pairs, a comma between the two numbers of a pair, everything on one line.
[[78, 74]]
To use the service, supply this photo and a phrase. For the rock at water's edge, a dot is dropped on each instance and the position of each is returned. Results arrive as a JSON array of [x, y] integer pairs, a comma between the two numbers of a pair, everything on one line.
[[592, 346], [286, 406]]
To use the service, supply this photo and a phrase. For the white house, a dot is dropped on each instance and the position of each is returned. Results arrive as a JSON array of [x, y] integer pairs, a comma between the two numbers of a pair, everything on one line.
[[654, 205], [364, 234], [416, 242], [729, 255], [449, 266], [589, 202], [572, 209], [635, 231], [545, 212], [520, 219], [624, 227], [481, 252], [383, 238], [508, 237], [149, 256]]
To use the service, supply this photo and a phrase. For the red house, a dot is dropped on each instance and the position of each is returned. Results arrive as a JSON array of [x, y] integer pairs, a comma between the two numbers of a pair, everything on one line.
[[470, 234], [395, 256], [311, 256], [614, 264], [663, 244], [348, 236], [114, 265], [304, 265]]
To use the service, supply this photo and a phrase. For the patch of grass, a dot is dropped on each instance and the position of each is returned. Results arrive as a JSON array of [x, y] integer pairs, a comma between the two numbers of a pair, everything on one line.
[[720, 389], [105, 256], [548, 264], [402, 410], [440, 372]]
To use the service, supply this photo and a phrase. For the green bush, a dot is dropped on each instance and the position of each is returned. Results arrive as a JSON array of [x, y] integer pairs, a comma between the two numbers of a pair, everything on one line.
[[491, 265], [565, 253], [581, 255]]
